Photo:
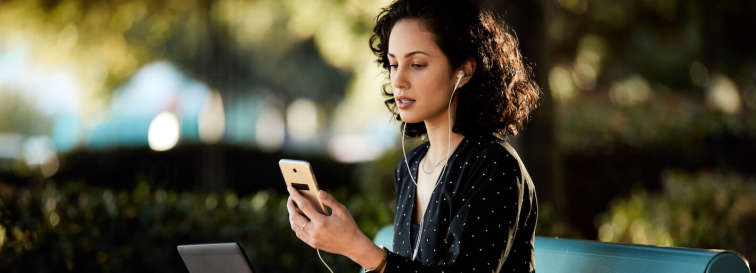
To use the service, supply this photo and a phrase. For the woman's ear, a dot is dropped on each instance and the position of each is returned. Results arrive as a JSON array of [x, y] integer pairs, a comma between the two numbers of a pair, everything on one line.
[[468, 67]]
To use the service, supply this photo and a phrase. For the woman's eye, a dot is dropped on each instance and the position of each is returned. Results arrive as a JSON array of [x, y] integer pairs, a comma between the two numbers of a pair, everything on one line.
[[418, 65], [393, 66]]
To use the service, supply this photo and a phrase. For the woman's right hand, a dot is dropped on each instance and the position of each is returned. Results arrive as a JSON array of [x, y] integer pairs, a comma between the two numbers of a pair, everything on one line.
[[337, 233]]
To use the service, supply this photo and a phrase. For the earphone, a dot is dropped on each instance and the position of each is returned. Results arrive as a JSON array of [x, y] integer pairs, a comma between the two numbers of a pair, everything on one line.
[[460, 74]]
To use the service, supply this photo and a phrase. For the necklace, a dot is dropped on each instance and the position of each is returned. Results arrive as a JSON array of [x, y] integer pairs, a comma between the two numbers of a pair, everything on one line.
[[433, 167]]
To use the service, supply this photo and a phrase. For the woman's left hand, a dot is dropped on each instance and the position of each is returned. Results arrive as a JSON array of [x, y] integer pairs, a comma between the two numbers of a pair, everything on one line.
[[336, 233]]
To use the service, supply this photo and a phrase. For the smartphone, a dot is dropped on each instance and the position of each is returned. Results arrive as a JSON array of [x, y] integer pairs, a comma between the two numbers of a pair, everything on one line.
[[299, 175]]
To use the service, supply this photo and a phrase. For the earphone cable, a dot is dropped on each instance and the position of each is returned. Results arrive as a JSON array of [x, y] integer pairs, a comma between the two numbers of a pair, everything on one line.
[[323, 261]]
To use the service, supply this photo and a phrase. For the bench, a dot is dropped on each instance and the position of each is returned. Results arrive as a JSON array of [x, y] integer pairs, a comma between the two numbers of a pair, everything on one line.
[[554, 255]]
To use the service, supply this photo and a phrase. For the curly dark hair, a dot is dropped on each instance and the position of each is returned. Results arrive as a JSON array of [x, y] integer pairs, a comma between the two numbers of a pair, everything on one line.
[[500, 95]]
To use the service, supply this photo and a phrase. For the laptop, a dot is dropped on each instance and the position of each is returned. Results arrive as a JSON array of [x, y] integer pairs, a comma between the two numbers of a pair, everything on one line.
[[215, 258]]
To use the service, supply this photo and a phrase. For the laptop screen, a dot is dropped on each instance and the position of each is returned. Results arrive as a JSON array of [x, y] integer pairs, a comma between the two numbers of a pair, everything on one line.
[[215, 258]]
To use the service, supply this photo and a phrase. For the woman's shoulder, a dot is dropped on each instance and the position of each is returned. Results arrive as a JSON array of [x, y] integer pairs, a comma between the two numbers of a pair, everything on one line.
[[492, 147], [493, 152]]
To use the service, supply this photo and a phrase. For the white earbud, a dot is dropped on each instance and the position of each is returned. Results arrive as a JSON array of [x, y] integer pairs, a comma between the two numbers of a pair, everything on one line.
[[460, 74]]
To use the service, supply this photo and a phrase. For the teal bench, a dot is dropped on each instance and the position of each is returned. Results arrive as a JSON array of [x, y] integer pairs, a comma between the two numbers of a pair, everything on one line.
[[555, 255]]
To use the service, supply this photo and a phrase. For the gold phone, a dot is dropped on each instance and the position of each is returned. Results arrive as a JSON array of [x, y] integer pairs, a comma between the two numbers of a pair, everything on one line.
[[299, 175]]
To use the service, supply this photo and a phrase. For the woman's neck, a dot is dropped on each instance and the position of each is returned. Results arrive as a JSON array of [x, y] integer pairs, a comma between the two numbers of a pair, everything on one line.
[[438, 135]]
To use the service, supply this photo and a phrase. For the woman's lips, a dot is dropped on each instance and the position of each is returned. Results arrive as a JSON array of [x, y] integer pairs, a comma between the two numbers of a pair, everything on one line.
[[404, 103]]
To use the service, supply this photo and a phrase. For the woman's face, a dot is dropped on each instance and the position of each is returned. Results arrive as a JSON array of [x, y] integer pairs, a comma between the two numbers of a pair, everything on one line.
[[420, 73]]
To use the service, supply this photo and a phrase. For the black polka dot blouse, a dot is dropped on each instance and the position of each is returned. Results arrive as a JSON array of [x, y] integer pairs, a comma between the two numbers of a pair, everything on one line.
[[481, 216]]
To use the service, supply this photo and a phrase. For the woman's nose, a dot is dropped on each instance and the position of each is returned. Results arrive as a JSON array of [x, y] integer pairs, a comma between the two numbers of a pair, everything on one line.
[[399, 80]]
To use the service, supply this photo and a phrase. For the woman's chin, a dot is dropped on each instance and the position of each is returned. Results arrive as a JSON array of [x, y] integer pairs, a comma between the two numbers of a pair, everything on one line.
[[409, 118]]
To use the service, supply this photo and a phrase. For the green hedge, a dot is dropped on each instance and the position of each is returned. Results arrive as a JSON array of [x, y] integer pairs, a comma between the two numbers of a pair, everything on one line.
[[704, 210], [79, 228]]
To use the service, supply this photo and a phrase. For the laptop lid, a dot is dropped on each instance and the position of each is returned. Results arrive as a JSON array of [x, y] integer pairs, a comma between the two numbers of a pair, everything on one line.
[[215, 258]]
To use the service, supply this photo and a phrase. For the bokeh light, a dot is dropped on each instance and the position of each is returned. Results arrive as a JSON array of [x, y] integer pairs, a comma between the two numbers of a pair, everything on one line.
[[561, 84], [212, 119], [632, 91], [723, 95], [163, 132], [302, 120], [270, 129], [39, 152]]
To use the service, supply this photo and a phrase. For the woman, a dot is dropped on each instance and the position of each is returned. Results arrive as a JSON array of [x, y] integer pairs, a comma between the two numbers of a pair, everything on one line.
[[458, 79]]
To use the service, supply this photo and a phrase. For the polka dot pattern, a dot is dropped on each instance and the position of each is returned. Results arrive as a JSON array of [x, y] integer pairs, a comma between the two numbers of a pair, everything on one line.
[[480, 218]]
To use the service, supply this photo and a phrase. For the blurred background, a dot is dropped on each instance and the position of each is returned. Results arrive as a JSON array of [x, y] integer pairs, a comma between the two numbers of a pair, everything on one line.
[[129, 127]]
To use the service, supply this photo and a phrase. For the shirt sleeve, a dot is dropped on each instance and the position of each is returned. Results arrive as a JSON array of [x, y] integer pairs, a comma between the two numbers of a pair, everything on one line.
[[484, 226]]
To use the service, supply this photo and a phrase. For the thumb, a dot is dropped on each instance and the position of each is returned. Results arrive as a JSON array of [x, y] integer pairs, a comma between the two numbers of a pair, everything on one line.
[[331, 202]]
